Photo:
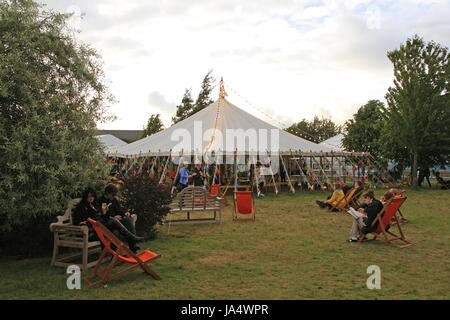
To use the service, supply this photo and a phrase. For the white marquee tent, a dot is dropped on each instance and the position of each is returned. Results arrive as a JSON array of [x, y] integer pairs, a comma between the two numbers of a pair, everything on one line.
[[334, 143], [220, 127], [110, 143]]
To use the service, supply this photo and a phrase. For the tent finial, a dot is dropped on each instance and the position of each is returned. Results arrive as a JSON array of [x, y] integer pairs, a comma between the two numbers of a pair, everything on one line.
[[222, 93]]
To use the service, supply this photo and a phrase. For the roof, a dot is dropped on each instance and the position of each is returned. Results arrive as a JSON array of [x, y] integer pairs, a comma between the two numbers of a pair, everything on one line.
[[126, 135], [110, 142], [220, 127]]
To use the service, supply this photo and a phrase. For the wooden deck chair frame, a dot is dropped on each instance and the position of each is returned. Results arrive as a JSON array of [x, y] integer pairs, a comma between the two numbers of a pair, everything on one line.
[[391, 209], [344, 203], [236, 214], [119, 256], [354, 201]]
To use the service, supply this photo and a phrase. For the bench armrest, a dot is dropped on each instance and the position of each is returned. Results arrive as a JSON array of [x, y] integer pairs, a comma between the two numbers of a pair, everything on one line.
[[55, 227]]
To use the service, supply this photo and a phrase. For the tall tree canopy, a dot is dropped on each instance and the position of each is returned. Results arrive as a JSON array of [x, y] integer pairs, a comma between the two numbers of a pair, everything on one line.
[[187, 108], [154, 125], [362, 132], [418, 111], [317, 130], [204, 96], [52, 94]]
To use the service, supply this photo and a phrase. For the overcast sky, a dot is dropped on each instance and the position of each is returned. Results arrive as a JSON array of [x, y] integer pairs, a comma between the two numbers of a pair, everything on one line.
[[291, 59]]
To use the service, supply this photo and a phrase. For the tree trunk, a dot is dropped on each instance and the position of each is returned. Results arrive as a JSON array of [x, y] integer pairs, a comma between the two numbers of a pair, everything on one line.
[[414, 169]]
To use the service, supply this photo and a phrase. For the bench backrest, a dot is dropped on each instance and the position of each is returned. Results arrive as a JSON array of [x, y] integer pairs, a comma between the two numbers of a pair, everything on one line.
[[195, 198]]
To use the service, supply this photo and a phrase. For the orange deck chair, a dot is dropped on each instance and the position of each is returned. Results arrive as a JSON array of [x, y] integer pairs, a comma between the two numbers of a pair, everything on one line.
[[344, 203], [120, 255], [384, 220], [244, 204]]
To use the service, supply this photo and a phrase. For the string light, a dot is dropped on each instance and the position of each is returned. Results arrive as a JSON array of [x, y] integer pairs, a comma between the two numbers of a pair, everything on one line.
[[301, 133]]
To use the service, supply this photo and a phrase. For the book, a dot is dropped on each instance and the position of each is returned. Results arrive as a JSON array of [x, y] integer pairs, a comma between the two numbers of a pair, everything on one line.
[[355, 214]]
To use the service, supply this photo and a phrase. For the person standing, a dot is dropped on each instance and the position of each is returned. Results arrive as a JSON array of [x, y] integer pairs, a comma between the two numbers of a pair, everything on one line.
[[184, 176], [198, 176]]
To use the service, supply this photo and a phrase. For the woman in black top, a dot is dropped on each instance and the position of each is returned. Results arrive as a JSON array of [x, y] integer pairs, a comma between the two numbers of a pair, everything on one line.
[[86, 208]]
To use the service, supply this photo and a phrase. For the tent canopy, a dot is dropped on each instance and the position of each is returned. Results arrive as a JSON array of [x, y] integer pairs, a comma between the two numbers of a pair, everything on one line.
[[110, 142], [334, 143], [223, 128]]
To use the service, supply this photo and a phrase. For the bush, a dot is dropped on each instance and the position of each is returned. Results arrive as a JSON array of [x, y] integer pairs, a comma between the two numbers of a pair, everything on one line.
[[52, 95], [148, 199]]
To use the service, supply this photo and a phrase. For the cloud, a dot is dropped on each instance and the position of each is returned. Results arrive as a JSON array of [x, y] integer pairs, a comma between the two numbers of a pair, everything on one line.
[[292, 58]]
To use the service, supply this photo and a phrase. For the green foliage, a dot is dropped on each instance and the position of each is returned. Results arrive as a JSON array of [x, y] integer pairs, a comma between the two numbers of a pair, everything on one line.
[[154, 125], [51, 96], [316, 130], [204, 96], [364, 129], [418, 112], [187, 108], [147, 198]]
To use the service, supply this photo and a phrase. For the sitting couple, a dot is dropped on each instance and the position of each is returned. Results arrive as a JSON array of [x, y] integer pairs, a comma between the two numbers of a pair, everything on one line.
[[108, 211], [369, 211]]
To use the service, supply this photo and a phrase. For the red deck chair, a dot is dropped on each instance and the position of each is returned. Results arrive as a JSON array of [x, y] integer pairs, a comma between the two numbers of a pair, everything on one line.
[[244, 205], [120, 255], [214, 192], [384, 221]]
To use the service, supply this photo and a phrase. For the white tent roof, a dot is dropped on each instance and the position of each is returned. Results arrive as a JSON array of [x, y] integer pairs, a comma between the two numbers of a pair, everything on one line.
[[210, 130], [334, 143], [110, 142]]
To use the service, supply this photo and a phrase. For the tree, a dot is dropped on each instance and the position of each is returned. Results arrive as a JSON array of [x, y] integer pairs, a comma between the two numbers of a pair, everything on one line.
[[363, 131], [52, 94], [204, 97], [185, 108], [418, 112], [316, 130], [154, 125]]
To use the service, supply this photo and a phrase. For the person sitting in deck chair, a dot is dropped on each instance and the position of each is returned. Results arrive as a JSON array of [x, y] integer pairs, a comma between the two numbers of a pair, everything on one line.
[[369, 211], [116, 219], [336, 197]]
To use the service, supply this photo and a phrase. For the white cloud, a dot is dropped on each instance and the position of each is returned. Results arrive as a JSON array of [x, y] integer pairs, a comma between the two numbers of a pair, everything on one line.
[[292, 58]]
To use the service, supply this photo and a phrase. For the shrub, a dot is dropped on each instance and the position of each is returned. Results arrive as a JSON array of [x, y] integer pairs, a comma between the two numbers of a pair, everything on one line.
[[148, 199]]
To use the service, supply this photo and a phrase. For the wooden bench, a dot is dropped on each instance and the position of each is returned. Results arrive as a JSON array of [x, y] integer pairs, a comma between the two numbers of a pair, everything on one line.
[[195, 200], [65, 234]]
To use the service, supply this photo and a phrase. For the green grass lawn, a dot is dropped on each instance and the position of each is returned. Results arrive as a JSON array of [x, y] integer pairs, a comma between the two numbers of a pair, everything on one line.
[[294, 250]]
